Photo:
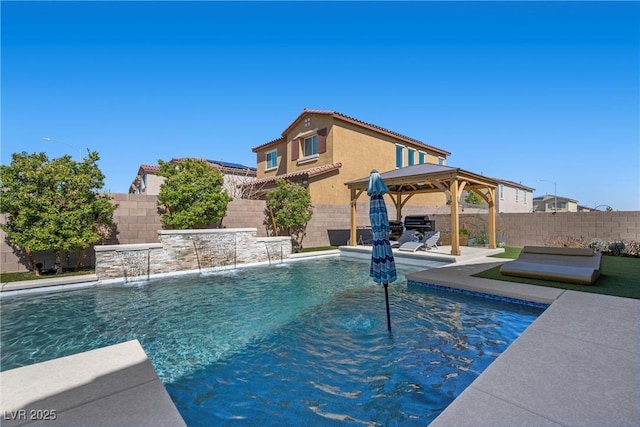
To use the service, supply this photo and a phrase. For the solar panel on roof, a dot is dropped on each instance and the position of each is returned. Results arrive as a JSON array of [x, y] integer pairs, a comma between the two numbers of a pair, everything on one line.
[[230, 165]]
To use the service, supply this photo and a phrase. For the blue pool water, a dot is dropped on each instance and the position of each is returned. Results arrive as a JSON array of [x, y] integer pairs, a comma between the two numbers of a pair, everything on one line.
[[303, 343]]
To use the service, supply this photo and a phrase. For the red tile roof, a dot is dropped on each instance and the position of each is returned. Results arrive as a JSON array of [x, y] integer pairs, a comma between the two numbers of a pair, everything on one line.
[[150, 168], [352, 120], [273, 141], [306, 173]]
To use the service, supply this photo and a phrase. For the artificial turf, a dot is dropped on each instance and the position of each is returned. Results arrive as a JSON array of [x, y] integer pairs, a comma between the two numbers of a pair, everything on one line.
[[620, 276]]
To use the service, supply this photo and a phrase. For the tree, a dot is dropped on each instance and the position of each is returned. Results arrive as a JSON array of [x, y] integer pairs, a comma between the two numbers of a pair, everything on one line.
[[192, 194], [474, 199], [54, 204], [290, 208]]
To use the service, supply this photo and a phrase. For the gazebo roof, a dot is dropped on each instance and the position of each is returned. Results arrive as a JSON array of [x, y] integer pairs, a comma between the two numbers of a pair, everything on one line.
[[424, 178]]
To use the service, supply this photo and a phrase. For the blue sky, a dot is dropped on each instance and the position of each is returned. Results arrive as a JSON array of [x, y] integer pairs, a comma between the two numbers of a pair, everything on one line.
[[524, 91]]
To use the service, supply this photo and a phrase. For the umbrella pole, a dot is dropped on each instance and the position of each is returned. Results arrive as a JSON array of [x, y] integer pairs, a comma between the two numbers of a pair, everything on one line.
[[386, 297]]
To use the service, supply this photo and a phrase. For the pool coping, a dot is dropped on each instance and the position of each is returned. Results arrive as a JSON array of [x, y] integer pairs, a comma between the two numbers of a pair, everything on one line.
[[67, 283], [114, 385]]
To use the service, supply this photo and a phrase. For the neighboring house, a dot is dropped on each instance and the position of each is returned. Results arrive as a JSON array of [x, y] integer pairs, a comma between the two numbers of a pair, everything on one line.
[[148, 181], [322, 150], [547, 203], [513, 197]]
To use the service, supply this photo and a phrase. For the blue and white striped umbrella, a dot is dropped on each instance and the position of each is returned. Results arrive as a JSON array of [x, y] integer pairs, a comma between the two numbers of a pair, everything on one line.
[[383, 266]]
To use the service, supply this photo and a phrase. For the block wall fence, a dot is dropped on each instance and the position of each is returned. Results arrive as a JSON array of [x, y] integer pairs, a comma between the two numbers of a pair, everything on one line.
[[138, 221]]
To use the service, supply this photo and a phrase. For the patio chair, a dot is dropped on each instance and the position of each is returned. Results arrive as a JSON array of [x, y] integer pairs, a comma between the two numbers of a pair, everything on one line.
[[407, 236], [430, 240]]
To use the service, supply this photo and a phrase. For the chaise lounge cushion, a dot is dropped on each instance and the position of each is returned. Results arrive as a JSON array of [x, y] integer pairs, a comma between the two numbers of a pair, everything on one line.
[[573, 265]]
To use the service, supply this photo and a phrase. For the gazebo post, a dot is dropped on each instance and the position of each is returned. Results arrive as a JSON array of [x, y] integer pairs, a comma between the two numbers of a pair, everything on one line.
[[455, 219], [492, 218], [353, 240]]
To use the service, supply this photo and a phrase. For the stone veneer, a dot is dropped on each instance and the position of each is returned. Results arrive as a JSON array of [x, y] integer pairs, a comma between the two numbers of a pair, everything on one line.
[[189, 250]]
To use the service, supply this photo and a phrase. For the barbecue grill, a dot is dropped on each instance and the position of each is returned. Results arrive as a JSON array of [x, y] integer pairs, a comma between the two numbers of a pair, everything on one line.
[[420, 223]]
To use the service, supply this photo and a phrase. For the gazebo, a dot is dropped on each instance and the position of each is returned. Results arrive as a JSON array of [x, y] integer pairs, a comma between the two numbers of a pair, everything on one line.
[[406, 182]]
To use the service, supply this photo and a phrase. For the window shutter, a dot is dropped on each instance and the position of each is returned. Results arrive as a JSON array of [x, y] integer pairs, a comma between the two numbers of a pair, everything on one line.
[[295, 148], [322, 140]]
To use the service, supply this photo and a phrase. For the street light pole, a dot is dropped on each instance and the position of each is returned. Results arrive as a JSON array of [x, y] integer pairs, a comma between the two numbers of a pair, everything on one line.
[[555, 195], [66, 143]]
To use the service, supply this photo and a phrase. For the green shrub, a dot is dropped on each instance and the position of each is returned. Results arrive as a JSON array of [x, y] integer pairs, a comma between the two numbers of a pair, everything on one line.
[[599, 245], [632, 249], [616, 248]]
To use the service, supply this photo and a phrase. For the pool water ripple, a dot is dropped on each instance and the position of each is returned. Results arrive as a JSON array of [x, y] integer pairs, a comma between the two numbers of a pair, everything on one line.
[[301, 344]]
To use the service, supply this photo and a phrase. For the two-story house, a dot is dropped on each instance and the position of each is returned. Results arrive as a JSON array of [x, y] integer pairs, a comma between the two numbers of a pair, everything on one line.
[[513, 197], [324, 149], [147, 181], [553, 203]]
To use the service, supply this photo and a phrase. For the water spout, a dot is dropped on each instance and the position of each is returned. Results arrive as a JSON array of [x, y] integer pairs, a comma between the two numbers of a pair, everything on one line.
[[266, 246], [135, 265], [212, 259]]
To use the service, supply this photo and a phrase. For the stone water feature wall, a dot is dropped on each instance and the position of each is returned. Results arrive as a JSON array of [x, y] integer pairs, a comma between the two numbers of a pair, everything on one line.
[[189, 250]]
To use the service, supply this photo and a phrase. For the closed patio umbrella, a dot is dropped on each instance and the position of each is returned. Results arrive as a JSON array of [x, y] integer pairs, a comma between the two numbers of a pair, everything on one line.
[[383, 266]]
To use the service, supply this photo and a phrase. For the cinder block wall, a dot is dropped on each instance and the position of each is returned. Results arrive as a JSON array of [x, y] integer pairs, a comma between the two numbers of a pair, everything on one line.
[[138, 221], [246, 214], [537, 228]]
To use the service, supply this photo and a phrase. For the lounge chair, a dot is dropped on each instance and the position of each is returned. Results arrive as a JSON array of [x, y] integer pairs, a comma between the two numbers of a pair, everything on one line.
[[407, 236], [430, 240]]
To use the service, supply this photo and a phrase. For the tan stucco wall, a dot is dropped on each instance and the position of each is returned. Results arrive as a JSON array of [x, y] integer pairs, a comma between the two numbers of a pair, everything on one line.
[[508, 202], [316, 122], [261, 161], [153, 183], [358, 149]]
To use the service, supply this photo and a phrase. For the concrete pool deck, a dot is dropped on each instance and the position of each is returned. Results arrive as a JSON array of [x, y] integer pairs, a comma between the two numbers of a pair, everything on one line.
[[578, 364]]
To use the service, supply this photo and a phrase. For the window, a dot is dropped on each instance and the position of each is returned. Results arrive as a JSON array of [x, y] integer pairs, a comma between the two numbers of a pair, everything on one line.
[[441, 161], [412, 156], [501, 192], [422, 157], [549, 206], [517, 194], [525, 196], [563, 205], [306, 147], [272, 159], [399, 156], [310, 146]]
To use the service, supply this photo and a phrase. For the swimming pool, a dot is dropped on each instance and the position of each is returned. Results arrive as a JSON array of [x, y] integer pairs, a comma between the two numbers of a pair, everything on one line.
[[301, 343]]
